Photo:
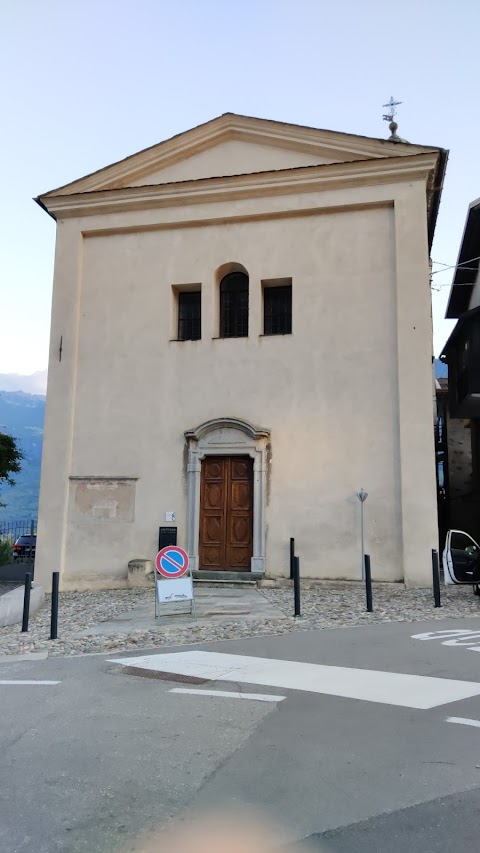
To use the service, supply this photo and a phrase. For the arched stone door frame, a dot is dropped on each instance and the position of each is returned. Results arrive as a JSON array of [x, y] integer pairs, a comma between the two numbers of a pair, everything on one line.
[[227, 437]]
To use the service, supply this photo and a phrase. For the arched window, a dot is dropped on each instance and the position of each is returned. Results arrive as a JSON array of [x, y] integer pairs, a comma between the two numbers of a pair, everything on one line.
[[234, 305]]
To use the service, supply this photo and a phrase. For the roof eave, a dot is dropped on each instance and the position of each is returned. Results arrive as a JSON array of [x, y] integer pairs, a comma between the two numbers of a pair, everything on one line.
[[44, 207], [440, 173], [463, 321]]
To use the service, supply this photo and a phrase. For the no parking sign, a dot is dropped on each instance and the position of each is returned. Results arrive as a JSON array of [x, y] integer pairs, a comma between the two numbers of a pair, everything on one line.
[[175, 582], [172, 562]]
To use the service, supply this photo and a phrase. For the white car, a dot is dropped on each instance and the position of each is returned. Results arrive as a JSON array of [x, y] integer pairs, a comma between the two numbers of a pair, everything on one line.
[[461, 560]]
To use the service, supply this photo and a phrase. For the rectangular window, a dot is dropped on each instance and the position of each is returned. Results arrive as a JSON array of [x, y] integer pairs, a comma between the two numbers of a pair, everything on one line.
[[189, 315], [277, 309]]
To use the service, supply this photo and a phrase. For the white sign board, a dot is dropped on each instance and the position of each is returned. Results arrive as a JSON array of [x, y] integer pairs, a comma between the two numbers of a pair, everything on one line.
[[178, 589]]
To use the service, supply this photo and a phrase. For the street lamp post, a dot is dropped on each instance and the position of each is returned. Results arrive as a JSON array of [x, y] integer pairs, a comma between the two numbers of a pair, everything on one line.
[[362, 496]]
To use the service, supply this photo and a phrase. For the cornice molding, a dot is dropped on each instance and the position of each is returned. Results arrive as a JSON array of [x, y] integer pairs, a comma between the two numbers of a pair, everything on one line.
[[303, 179], [340, 147]]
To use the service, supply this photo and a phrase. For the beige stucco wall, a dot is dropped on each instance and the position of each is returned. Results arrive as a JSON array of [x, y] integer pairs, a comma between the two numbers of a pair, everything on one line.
[[347, 396]]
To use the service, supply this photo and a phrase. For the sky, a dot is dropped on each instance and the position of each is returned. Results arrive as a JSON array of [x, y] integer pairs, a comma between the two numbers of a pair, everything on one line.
[[87, 82]]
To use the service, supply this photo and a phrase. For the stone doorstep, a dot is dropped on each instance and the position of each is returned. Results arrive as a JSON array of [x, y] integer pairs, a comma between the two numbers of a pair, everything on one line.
[[227, 577], [203, 576], [228, 582], [243, 579], [314, 583], [141, 575], [239, 579]]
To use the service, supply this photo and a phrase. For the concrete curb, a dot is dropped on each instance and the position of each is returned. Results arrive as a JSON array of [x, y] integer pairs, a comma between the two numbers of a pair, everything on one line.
[[29, 656], [11, 604]]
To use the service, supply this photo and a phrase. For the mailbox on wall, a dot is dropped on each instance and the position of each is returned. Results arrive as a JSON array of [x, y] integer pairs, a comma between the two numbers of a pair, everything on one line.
[[166, 536]]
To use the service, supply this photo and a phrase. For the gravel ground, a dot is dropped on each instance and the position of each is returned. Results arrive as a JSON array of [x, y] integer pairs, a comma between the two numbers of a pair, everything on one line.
[[322, 607]]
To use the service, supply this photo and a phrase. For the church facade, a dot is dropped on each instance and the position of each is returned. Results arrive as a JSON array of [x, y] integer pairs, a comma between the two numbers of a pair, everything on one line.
[[240, 341]]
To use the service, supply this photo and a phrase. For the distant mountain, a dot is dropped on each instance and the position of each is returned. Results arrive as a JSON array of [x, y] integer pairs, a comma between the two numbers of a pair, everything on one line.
[[22, 416], [34, 383], [441, 369]]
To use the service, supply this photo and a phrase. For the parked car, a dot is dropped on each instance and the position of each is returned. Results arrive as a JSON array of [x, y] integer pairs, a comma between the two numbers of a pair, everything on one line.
[[461, 560], [25, 547]]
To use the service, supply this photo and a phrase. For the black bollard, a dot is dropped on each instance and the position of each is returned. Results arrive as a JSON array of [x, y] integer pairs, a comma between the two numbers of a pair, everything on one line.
[[292, 556], [26, 601], [296, 586], [436, 578], [54, 616], [368, 583]]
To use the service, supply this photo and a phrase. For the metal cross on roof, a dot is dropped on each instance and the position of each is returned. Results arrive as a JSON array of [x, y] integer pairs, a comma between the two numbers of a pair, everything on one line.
[[392, 104]]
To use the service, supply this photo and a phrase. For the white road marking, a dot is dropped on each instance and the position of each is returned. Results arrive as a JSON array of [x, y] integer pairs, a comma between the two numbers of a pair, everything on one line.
[[453, 637], [229, 694], [23, 683], [463, 721], [390, 688], [445, 634]]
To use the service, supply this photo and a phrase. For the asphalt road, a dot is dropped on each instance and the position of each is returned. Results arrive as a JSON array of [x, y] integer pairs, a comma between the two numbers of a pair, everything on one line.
[[91, 762]]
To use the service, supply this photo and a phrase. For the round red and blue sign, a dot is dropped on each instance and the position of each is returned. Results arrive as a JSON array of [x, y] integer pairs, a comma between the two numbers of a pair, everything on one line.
[[171, 562]]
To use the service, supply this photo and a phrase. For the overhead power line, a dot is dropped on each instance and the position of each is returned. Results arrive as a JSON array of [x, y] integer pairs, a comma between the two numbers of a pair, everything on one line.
[[453, 266], [439, 287]]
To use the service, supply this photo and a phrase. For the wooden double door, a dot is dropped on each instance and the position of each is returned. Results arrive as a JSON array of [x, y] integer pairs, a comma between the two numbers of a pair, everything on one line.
[[226, 513]]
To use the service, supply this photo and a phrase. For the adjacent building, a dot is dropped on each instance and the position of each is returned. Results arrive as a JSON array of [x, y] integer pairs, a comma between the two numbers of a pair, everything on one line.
[[241, 340], [462, 354]]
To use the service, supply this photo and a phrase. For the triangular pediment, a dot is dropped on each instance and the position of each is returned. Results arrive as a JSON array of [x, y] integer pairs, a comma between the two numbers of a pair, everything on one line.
[[236, 145]]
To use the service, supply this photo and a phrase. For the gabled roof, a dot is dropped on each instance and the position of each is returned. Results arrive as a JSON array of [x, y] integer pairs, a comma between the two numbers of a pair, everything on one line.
[[466, 270], [155, 171], [339, 147]]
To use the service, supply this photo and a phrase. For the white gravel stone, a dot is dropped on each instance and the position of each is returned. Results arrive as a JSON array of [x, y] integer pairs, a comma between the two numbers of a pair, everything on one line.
[[322, 607]]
